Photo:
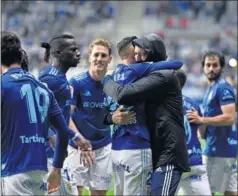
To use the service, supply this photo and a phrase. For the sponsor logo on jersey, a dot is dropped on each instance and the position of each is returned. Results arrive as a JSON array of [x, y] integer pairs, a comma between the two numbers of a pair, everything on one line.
[[88, 104], [33, 139]]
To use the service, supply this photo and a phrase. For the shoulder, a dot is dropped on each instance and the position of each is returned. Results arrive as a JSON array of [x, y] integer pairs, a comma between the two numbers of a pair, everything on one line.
[[223, 85], [78, 79], [49, 71], [82, 76]]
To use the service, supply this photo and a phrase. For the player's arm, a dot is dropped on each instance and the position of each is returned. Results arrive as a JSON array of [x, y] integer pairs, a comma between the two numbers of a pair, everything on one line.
[[226, 98], [143, 69], [142, 90], [227, 117]]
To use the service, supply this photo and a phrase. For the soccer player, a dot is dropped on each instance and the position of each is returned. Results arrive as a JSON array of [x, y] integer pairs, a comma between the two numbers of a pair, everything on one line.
[[194, 182], [219, 115], [28, 107], [87, 118], [163, 106], [132, 176], [65, 54]]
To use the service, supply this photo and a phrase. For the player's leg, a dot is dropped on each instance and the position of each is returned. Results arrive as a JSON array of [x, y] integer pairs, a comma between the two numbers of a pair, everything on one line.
[[138, 169], [195, 184], [100, 173], [118, 172], [165, 180], [231, 188], [29, 183], [79, 173], [219, 172]]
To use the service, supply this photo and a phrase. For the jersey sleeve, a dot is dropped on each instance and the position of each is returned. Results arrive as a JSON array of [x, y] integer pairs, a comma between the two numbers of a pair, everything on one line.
[[75, 85], [143, 69], [110, 103], [50, 133], [226, 95]]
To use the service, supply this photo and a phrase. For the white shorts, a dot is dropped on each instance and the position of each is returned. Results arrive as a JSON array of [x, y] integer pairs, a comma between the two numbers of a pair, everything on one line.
[[222, 173], [194, 182], [98, 176], [29, 183], [68, 185], [132, 171]]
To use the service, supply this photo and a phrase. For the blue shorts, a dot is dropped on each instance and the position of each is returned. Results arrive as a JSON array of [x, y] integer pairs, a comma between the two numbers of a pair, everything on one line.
[[165, 180]]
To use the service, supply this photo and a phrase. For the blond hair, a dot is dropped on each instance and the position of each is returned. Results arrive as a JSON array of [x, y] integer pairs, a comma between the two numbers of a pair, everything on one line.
[[100, 42]]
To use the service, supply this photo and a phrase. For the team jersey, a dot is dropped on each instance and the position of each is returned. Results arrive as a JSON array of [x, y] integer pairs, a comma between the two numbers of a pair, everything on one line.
[[58, 84], [88, 116], [221, 141], [193, 144], [27, 106], [135, 135]]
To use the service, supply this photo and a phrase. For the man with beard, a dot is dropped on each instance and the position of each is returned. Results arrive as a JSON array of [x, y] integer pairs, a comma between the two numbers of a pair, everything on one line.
[[163, 107], [219, 115]]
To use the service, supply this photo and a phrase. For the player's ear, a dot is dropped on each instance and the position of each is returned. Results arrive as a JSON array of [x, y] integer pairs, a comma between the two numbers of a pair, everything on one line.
[[57, 53]]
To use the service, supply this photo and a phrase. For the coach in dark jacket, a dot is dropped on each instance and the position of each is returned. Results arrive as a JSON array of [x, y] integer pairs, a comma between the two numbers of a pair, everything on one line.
[[162, 94]]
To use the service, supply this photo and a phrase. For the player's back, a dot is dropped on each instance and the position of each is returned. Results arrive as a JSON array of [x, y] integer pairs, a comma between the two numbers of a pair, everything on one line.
[[125, 75], [26, 104]]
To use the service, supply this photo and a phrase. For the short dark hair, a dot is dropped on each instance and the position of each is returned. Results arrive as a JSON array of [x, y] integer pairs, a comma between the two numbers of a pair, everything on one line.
[[25, 61], [11, 51], [124, 42], [54, 44], [182, 77], [214, 53]]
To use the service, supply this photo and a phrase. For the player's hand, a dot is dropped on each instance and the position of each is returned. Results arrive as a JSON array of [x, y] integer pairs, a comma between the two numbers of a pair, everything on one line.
[[121, 117], [193, 116], [53, 180], [86, 158], [83, 144]]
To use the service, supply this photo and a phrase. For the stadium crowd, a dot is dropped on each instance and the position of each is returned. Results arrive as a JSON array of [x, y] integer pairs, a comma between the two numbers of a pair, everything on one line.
[[136, 128]]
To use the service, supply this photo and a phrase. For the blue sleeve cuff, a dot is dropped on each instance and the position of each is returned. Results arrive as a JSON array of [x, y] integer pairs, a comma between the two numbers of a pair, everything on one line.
[[50, 133], [106, 78]]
